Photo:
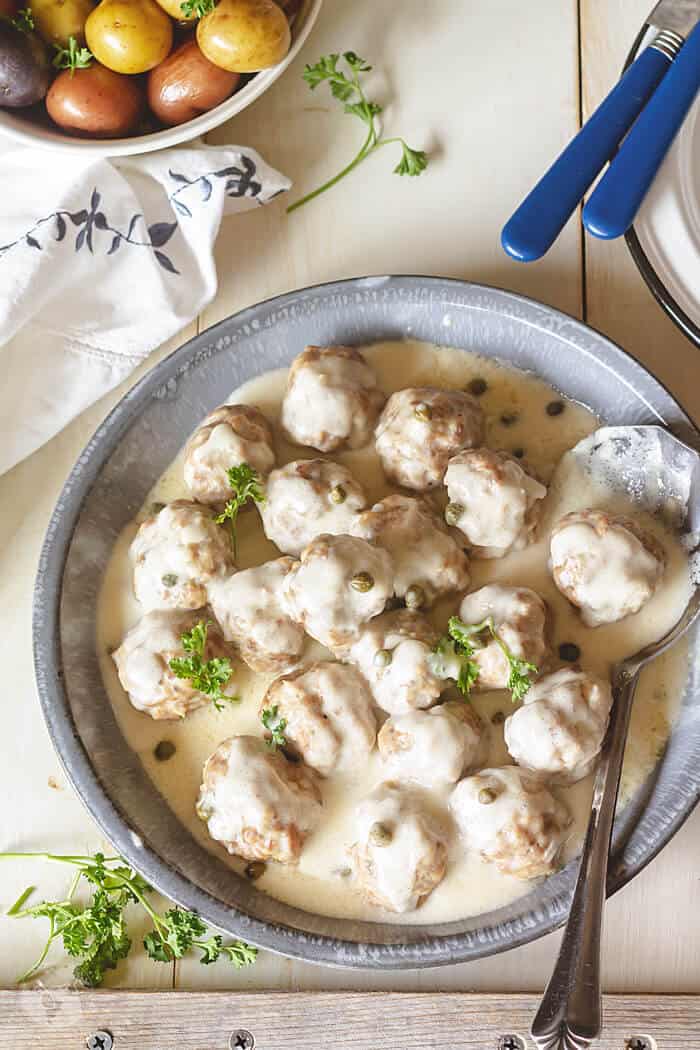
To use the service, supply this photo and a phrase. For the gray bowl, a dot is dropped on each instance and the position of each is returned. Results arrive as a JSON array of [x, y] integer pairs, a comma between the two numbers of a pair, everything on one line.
[[109, 483]]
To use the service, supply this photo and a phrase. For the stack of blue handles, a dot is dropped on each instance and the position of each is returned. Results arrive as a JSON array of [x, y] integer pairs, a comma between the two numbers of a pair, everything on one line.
[[652, 99]]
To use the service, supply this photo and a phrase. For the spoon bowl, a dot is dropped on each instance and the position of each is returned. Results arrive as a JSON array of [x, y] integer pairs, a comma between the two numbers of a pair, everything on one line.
[[660, 475]]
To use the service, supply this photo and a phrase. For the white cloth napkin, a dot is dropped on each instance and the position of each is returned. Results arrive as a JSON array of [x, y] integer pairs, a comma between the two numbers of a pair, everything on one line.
[[101, 262]]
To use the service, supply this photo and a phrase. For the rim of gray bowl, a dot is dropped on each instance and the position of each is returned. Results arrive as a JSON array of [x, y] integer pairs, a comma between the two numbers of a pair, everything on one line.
[[421, 951]]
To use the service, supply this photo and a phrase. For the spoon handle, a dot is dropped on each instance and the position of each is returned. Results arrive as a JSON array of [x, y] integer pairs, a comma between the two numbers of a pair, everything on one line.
[[569, 1017]]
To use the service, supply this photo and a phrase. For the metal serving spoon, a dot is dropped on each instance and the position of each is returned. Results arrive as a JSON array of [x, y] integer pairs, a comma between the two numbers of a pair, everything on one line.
[[661, 475]]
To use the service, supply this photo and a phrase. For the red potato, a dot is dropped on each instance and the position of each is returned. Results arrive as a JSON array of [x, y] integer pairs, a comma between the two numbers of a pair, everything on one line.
[[95, 102], [187, 84]]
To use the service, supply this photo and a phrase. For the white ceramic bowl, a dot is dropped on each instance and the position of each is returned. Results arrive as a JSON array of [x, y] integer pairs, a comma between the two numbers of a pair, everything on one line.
[[28, 132]]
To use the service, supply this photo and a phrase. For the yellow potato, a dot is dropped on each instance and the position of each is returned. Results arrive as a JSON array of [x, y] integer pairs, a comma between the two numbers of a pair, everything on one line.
[[129, 36], [244, 36], [58, 20]]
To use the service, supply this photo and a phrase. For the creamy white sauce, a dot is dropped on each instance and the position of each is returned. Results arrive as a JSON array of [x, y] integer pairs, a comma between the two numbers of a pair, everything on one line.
[[320, 882]]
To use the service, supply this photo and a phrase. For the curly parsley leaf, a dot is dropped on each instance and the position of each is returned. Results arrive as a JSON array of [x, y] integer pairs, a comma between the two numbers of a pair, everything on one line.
[[96, 933], [246, 485], [207, 676], [197, 8], [345, 86], [275, 727], [72, 57], [453, 657], [23, 20]]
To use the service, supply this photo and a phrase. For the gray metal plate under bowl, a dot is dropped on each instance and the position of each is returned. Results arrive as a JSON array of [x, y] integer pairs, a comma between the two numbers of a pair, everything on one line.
[[108, 485]]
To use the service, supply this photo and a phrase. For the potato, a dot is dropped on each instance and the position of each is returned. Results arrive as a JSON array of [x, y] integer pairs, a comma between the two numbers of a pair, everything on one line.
[[95, 101], [24, 67], [57, 20], [244, 36], [187, 84], [129, 36]]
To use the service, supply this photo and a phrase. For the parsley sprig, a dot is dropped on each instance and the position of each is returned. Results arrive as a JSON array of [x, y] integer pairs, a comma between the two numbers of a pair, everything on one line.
[[208, 676], [453, 657], [23, 20], [246, 485], [348, 90], [72, 57], [275, 727], [197, 8], [96, 933]]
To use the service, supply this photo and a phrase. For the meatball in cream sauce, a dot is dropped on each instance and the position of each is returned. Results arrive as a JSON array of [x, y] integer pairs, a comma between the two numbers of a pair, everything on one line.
[[605, 564], [256, 803], [229, 436], [428, 562], [306, 498], [420, 429], [332, 399]]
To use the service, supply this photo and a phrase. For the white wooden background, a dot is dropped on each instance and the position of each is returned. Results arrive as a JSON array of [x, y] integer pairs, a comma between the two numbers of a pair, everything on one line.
[[494, 90]]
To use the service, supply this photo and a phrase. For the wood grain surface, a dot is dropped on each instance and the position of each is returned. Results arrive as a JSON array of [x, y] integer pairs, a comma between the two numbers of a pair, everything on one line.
[[279, 1021], [494, 90]]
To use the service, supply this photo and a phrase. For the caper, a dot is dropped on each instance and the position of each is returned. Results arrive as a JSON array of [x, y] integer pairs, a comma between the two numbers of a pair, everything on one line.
[[255, 869], [415, 597], [569, 651], [477, 387], [362, 581], [338, 494], [169, 580], [486, 796], [382, 658], [453, 512], [498, 718], [554, 408], [518, 452], [164, 750], [509, 418], [423, 412], [343, 873], [156, 508], [380, 834]]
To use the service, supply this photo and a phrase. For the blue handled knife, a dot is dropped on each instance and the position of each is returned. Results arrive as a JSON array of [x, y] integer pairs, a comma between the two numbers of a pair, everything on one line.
[[617, 197]]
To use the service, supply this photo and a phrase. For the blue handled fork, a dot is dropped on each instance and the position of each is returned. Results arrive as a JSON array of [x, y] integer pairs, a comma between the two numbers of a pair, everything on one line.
[[661, 85]]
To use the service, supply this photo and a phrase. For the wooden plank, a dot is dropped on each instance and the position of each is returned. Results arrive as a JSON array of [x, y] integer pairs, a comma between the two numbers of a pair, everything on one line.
[[194, 1021], [662, 952], [39, 810], [474, 83]]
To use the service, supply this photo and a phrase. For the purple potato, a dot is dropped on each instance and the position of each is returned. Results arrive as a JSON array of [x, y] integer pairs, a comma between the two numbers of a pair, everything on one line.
[[24, 68]]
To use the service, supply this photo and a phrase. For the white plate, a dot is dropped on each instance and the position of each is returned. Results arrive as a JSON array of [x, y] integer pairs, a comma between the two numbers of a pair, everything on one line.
[[665, 238]]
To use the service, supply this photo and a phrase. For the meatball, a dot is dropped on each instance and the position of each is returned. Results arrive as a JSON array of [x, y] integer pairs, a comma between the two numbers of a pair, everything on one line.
[[400, 854], [511, 820], [308, 497], [256, 802], [143, 664], [392, 653], [229, 436], [558, 732], [427, 561], [177, 553], [493, 501], [332, 399], [433, 748], [605, 564], [420, 428], [328, 710], [519, 617], [251, 610], [339, 584]]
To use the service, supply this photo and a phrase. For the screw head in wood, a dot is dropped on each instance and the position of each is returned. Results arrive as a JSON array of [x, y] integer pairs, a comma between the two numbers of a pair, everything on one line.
[[511, 1042], [241, 1039], [101, 1040]]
